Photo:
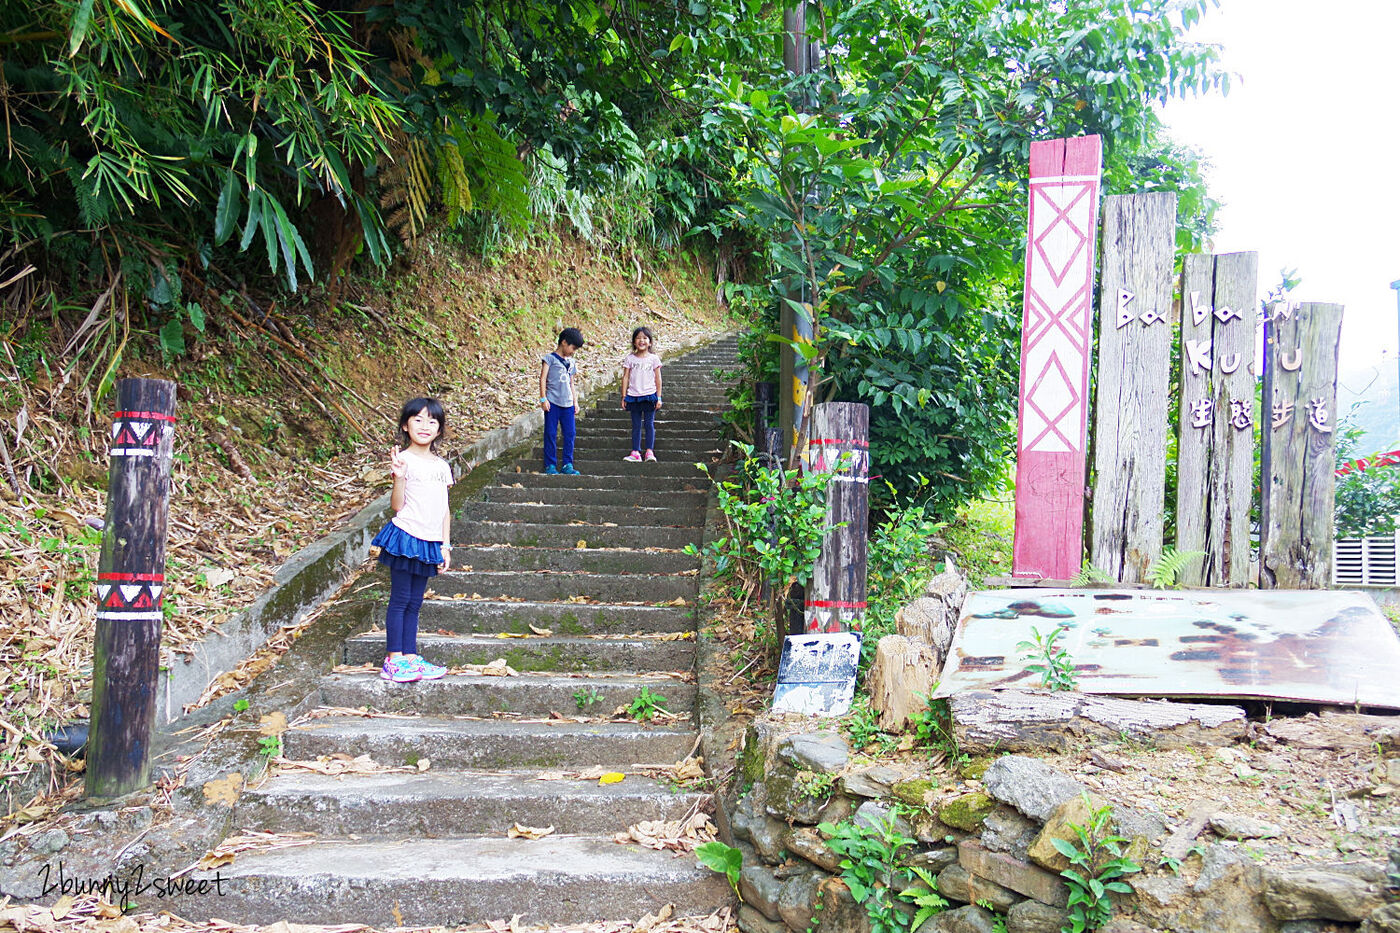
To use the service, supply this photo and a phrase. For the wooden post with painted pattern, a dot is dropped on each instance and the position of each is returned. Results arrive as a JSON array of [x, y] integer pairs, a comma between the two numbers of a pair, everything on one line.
[[840, 444], [1055, 351], [130, 584]]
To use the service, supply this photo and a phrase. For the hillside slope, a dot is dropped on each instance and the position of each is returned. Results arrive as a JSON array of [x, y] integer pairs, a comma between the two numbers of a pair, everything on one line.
[[285, 417]]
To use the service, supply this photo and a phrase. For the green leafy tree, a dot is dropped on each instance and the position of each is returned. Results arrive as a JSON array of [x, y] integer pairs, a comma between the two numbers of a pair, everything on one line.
[[888, 187]]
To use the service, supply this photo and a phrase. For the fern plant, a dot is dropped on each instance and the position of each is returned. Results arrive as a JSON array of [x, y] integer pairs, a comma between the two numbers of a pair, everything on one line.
[[1166, 570], [1089, 575]]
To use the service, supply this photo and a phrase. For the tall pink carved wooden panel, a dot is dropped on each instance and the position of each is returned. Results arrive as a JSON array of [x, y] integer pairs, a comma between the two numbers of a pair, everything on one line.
[[1055, 351]]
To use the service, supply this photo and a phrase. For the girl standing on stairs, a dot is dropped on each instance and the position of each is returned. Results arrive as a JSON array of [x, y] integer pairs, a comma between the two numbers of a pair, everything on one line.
[[414, 544], [641, 393]]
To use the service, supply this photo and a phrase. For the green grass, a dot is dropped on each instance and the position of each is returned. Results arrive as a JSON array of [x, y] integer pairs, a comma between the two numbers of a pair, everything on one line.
[[980, 539]]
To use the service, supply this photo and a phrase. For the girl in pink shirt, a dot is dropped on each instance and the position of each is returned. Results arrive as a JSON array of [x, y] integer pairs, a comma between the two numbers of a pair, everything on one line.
[[414, 544], [641, 393]]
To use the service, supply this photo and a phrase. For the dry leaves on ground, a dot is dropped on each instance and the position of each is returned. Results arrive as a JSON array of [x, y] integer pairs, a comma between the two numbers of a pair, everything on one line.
[[676, 835], [341, 763]]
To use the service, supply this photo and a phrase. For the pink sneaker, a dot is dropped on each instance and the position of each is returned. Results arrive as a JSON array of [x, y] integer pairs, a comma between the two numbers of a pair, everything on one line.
[[650, 457], [634, 457]]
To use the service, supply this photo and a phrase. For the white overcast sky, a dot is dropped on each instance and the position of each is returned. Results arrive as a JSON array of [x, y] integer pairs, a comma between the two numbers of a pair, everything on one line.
[[1305, 153]]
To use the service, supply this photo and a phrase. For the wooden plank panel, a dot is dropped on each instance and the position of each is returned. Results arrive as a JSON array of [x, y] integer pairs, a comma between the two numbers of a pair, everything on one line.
[[1130, 414], [1055, 348], [1215, 463], [1300, 401], [840, 444]]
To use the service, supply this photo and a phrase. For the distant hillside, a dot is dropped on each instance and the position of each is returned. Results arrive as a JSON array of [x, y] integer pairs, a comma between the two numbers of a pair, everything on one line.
[[1375, 392]]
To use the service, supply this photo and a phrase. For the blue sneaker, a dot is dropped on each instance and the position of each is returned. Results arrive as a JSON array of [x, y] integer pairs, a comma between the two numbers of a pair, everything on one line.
[[551, 470], [400, 670], [426, 670], [569, 469]]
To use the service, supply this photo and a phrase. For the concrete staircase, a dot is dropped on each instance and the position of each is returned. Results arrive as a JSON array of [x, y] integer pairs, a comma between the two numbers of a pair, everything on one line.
[[596, 561]]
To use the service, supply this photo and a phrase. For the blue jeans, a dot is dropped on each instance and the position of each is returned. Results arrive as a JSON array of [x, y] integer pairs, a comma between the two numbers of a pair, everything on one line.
[[558, 417], [643, 419], [406, 591]]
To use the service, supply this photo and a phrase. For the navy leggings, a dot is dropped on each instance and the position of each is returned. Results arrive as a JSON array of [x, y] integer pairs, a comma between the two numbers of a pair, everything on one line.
[[643, 419], [401, 621]]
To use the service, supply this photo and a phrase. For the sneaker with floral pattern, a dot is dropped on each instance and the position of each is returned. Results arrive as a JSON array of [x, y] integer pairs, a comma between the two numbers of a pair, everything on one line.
[[426, 669], [400, 670]]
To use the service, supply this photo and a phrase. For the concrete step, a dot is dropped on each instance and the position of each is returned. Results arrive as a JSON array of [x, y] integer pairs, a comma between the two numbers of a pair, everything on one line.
[[700, 411], [490, 744], [533, 479], [659, 511], [452, 882], [543, 586], [677, 471], [573, 560], [667, 450], [607, 494], [539, 652], [554, 535], [469, 616], [438, 804], [535, 695]]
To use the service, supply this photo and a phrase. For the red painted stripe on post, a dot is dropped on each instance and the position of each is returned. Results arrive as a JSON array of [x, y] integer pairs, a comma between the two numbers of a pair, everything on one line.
[[132, 577], [833, 604], [854, 442], [144, 415], [1056, 338]]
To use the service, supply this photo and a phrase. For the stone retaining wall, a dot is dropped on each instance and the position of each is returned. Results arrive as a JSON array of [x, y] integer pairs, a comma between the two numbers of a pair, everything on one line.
[[990, 848]]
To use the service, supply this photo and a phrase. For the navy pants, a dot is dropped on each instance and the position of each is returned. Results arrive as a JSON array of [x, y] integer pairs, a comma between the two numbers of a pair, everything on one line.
[[559, 419], [643, 421], [406, 591]]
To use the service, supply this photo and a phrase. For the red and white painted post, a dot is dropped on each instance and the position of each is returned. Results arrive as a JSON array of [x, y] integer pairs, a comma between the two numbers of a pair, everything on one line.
[[130, 583], [1055, 352]]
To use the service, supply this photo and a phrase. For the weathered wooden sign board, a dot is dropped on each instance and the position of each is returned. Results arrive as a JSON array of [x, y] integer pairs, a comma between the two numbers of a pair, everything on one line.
[[1135, 346], [1314, 646], [1300, 399], [1215, 435], [817, 674], [1055, 351]]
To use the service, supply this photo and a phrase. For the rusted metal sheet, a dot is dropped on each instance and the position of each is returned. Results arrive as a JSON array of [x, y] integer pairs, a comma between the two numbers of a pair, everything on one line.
[[1302, 645]]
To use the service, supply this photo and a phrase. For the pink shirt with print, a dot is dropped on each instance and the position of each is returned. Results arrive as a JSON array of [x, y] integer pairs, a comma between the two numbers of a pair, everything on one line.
[[643, 381]]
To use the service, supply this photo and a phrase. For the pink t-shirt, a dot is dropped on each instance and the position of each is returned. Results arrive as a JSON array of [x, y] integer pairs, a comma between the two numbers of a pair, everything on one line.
[[643, 381], [424, 496]]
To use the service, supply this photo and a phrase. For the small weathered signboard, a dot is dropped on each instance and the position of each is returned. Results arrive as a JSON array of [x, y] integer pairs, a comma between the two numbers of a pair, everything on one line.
[[1298, 472], [1130, 411], [1215, 439], [1315, 646], [1055, 346], [817, 674]]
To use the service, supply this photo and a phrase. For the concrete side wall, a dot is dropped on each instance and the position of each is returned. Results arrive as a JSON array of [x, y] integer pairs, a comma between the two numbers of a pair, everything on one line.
[[318, 570]]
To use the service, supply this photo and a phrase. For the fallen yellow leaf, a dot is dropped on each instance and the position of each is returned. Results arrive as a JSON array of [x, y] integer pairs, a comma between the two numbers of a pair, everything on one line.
[[541, 631], [581, 543], [517, 831], [224, 790], [273, 723], [62, 906], [612, 777]]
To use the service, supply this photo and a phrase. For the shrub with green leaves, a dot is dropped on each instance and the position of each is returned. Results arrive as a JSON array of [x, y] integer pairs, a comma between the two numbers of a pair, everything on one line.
[[1097, 862], [872, 865], [775, 520]]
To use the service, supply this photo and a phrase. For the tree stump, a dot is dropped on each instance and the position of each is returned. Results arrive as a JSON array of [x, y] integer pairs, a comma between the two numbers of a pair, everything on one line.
[[900, 680]]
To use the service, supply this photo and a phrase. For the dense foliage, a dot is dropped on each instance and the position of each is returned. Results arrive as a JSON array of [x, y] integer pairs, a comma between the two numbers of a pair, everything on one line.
[[163, 155], [892, 187]]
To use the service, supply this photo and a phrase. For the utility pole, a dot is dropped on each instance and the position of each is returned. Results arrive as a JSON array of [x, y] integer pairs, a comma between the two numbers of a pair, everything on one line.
[[800, 55]]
